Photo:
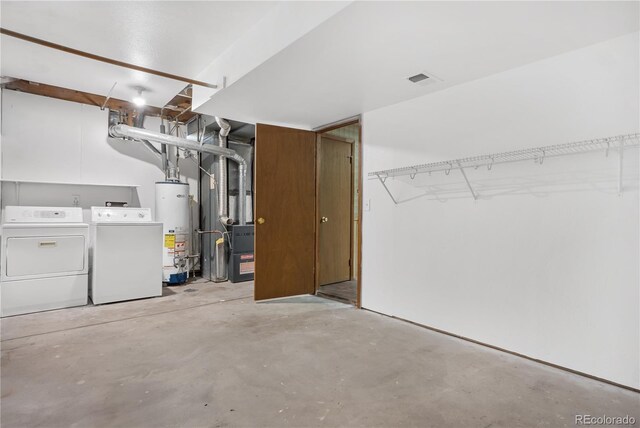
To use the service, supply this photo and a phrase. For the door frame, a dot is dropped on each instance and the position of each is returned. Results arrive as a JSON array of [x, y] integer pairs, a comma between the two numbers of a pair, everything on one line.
[[358, 171]]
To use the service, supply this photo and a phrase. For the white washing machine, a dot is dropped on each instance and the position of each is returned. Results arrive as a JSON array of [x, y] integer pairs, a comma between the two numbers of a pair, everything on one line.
[[44, 259], [125, 254]]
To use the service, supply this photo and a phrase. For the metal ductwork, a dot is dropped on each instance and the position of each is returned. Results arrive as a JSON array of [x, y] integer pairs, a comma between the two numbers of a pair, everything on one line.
[[223, 200], [138, 121], [169, 168], [139, 134], [223, 196]]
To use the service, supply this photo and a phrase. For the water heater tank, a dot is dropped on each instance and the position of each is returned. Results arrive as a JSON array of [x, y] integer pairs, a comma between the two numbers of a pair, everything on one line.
[[172, 209]]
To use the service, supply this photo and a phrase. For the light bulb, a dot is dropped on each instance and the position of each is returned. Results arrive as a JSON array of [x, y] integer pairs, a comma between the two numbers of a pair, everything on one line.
[[139, 101]]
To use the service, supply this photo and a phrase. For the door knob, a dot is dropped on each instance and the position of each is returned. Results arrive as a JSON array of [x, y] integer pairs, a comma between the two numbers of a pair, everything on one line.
[[260, 220], [324, 219]]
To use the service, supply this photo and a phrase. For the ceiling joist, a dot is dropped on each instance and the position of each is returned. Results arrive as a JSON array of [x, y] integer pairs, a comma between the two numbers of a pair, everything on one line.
[[111, 61], [95, 100]]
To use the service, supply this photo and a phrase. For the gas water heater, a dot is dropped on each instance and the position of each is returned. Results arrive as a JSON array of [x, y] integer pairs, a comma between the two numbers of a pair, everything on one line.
[[172, 209]]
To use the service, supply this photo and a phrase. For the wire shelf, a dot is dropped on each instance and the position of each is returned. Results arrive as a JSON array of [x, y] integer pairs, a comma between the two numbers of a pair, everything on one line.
[[536, 154]]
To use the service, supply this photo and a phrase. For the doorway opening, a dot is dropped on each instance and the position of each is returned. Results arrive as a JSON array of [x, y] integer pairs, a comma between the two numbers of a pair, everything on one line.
[[308, 238], [338, 212]]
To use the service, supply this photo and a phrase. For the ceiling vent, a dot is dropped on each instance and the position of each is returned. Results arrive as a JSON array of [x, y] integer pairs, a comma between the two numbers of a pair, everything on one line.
[[418, 78], [423, 79]]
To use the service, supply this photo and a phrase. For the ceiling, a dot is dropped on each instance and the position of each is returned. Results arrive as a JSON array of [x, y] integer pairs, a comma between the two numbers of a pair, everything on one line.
[[352, 60], [359, 59], [177, 37]]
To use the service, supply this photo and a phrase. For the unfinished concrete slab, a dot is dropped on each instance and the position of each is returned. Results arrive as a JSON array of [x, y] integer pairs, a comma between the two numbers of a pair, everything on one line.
[[206, 355]]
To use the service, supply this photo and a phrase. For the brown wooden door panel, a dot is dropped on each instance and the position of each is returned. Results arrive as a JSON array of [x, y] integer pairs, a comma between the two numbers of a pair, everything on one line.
[[335, 211], [285, 198]]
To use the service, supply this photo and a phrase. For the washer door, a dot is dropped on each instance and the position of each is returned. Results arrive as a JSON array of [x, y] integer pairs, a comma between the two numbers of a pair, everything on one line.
[[37, 255]]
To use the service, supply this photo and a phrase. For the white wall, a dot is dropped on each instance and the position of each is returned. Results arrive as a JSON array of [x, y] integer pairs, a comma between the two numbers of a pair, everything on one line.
[[546, 263], [53, 140]]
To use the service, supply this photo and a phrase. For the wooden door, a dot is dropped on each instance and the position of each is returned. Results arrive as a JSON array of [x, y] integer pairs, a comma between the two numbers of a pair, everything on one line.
[[335, 207], [285, 212]]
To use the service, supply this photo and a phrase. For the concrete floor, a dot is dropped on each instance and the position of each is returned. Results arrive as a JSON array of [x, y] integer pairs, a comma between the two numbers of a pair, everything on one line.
[[206, 355]]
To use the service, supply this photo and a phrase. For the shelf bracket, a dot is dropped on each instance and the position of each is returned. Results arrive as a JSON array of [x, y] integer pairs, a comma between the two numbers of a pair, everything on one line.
[[382, 181], [475, 197], [621, 161]]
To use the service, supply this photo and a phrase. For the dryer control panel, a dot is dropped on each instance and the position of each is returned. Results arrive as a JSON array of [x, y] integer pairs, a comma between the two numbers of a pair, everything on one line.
[[120, 215], [14, 214]]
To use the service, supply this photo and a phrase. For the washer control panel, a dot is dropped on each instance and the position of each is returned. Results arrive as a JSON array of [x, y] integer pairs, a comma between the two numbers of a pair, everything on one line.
[[120, 215]]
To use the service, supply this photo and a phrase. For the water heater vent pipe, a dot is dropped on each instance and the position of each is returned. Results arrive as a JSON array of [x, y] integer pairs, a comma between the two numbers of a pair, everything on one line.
[[223, 205], [139, 134]]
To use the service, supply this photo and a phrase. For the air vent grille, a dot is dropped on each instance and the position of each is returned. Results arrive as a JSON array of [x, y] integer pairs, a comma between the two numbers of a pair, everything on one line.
[[418, 78]]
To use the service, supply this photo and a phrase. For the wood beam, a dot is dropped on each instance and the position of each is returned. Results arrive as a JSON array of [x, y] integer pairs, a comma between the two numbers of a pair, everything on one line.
[[111, 61], [91, 99]]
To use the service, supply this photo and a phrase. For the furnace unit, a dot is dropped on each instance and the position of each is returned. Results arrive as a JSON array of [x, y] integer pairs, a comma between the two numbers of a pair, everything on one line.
[[241, 259]]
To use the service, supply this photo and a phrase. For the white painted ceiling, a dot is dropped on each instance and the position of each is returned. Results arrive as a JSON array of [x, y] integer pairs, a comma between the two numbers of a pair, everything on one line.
[[178, 37], [43, 65], [355, 61], [359, 59]]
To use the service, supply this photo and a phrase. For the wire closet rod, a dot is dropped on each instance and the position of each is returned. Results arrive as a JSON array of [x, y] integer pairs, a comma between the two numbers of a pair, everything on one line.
[[537, 154]]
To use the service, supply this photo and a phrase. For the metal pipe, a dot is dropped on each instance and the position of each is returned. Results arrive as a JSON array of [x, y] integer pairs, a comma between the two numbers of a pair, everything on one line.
[[209, 231], [220, 260], [163, 148], [152, 148], [174, 157], [202, 169], [139, 134], [221, 268], [223, 201], [165, 161], [138, 121], [223, 196], [242, 192]]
